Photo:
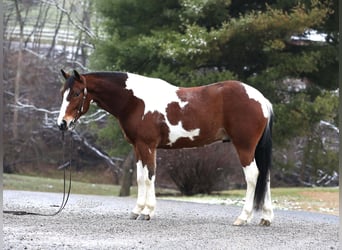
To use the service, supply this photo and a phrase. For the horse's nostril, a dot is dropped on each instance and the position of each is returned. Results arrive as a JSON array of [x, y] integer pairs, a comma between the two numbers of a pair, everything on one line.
[[63, 125]]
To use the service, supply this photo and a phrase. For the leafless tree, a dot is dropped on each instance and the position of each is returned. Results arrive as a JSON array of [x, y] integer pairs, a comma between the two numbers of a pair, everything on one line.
[[32, 78], [19, 67], [57, 28], [128, 167]]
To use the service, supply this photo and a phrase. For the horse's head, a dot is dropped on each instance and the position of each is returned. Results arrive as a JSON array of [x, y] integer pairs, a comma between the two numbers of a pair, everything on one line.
[[75, 100]]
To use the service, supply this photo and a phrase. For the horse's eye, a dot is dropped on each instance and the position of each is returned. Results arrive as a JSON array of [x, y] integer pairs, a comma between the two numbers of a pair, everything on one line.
[[77, 94]]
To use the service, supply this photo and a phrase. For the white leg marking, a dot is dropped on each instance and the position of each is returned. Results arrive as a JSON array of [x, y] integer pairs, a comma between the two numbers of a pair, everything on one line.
[[251, 174], [146, 201], [141, 189], [64, 106], [267, 209], [150, 204]]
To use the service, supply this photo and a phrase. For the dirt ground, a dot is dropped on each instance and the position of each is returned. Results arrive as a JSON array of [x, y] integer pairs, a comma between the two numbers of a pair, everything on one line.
[[101, 222]]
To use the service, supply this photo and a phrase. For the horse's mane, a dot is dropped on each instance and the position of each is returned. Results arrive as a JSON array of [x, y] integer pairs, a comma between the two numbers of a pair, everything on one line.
[[107, 74]]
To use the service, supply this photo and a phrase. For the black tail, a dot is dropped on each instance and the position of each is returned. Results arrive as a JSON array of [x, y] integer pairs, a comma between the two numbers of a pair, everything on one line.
[[263, 158]]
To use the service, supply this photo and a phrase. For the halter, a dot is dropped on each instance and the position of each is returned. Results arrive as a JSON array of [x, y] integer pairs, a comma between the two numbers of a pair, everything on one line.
[[81, 108]]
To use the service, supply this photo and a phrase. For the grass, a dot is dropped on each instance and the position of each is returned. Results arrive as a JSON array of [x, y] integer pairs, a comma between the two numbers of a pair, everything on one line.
[[318, 199], [323, 200], [30, 183]]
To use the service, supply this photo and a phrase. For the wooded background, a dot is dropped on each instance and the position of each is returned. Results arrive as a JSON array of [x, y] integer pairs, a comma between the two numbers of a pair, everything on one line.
[[288, 49]]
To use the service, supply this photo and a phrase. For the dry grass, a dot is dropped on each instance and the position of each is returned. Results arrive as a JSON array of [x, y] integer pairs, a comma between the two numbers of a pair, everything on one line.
[[321, 200]]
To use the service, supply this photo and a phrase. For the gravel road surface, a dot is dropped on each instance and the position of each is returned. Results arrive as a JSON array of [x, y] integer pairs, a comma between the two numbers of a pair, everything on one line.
[[100, 222]]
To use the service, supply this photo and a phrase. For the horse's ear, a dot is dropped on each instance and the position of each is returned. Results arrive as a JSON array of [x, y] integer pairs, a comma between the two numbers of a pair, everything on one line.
[[77, 75], [65, 75]]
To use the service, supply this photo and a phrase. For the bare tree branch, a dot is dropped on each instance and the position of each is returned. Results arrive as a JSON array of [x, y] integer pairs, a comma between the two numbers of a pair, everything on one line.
[[86, 30], [40, 56], [329, 125], [49, 122], [86, 119], [108, 159], [79, 64], [59, 23]]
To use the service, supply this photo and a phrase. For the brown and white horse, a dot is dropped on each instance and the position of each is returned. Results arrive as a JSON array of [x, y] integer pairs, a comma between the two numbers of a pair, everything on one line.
[[155, 114]]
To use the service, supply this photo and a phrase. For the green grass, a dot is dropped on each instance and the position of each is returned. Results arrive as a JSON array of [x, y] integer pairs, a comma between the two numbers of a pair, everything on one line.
[[30, 183], [45, 184]]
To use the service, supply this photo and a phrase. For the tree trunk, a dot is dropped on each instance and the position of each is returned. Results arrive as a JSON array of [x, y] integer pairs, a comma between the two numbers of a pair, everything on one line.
[[54, 39], [128, 170], [86, 23], [19, 71], [35, 27], [41, 28]]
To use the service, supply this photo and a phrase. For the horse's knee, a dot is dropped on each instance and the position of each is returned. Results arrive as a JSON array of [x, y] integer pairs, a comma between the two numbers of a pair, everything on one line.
[[251, 173]]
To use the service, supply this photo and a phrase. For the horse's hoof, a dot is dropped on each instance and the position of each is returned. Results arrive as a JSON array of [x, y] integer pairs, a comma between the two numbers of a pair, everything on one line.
[[265, 223], [143, 217], [239, 222], [133, 216]]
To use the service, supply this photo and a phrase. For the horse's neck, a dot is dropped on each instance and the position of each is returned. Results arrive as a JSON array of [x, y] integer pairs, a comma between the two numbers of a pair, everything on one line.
[[109, 96]]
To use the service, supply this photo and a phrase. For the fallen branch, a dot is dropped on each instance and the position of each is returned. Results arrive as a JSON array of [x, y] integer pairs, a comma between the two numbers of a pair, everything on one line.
[[108, 159], [329, 125]]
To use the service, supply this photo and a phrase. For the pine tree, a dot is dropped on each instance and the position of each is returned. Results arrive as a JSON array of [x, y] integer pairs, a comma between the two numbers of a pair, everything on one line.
[[196, 42]]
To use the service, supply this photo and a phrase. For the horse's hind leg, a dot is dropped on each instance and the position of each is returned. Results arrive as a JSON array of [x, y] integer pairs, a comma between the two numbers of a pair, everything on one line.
[[251, 175], [267, 209]]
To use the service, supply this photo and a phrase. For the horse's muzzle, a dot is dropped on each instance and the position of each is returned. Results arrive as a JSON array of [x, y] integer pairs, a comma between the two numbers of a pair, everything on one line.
[[63, 126]]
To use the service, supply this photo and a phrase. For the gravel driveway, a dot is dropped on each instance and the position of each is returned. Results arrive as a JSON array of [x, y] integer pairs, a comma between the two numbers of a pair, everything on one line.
[[101, 222]]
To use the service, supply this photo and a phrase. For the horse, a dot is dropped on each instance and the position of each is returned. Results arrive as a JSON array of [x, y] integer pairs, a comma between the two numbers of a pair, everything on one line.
[[155, 114]]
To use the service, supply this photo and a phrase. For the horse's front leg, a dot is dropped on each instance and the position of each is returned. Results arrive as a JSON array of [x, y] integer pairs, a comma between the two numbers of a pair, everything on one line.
[[146, 201]]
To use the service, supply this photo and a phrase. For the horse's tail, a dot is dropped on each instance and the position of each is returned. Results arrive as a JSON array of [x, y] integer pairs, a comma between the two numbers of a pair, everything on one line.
[[263, 158]]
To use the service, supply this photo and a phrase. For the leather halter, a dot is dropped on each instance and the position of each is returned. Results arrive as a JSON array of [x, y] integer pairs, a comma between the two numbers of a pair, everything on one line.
[[81, 108]]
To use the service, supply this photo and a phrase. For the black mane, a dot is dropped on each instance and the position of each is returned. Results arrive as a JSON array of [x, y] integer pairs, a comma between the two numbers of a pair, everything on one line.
[[115, 76], [70, 81], [110, 74]]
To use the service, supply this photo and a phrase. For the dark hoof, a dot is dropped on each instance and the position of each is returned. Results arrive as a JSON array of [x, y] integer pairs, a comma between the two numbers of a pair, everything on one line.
[[143, 217], [133, 216], [265, 223]]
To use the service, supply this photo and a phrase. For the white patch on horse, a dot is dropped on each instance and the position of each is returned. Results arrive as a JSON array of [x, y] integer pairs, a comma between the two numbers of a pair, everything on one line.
[[177, 131], [157, 94], [64, 106], [253, 93]]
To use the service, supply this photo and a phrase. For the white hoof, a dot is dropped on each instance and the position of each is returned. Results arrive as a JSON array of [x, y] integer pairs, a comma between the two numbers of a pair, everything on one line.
[[240, 222]]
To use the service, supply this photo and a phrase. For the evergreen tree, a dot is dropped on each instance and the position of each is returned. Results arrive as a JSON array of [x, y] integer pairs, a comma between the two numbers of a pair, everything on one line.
[[195, 42]]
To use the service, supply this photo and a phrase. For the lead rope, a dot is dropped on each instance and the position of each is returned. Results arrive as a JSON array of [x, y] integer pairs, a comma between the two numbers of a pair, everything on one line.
[[65, 196]]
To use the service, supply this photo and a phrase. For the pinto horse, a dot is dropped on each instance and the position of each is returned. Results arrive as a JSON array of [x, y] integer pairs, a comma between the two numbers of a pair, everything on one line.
[[155, 114]]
